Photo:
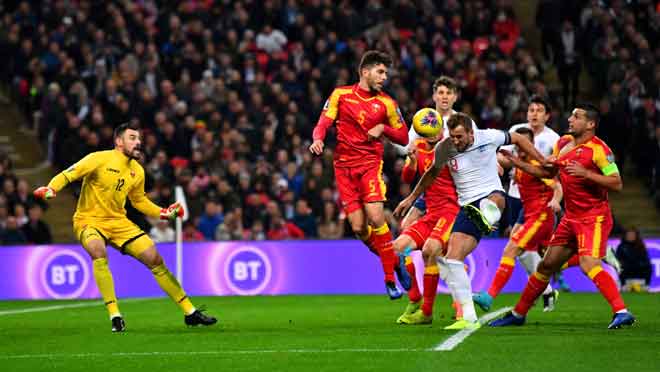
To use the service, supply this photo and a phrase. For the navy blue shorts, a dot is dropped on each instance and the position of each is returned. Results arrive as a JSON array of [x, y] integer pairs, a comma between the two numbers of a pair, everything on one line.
[[521, 217], [420, 203], [464, 225], [511, 213]]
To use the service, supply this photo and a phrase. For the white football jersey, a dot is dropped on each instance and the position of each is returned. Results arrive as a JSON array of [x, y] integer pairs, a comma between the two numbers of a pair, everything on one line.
[[543, 142], [475, 170]]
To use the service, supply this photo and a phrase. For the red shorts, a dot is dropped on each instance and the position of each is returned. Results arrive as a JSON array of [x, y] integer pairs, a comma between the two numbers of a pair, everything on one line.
[[536, 231], [588, 234], [433, 225], [360, 185]]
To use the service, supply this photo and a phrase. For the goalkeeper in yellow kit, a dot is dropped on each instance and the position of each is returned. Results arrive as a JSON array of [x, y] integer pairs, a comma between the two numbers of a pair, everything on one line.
[[100, 219]]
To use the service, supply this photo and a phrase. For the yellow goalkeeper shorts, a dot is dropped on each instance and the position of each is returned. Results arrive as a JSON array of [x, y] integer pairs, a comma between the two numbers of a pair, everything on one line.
[[122, 234]]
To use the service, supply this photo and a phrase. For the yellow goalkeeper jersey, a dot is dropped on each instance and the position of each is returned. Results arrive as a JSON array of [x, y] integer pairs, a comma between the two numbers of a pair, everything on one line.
[[108, 178]]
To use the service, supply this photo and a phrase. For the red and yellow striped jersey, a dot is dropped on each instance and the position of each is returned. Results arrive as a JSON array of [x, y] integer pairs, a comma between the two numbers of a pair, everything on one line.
[[355, 111], [583, 197]]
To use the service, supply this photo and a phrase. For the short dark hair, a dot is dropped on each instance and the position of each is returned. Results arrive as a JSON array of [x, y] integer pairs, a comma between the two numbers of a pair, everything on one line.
[[375, 57], [446, 81], [526, 132], [592, 112], [460, 119], [119, 131], [540, 101]]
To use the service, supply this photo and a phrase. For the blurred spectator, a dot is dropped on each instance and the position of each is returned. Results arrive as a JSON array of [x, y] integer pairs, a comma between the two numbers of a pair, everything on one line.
[[304, 219], [271, 40], [331, 226], [190, 232], [569, 61], [280, 229], [231, 228], [162, 232], [634, 259], [12, 235], [210, 220], [36, 231]]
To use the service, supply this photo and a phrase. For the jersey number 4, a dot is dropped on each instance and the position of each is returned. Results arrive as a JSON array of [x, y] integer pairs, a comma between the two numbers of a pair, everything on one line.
[[120, 184]]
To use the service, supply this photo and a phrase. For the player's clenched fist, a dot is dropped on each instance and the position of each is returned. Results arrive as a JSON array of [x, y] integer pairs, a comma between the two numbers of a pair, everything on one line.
[[44, 192], [317, 147], [172, 212]]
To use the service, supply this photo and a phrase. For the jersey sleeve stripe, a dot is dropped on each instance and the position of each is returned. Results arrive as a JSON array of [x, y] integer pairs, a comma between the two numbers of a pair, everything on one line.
[[392, 114]]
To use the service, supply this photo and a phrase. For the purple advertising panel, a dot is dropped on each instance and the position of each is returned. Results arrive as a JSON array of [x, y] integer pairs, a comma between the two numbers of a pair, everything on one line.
[[246, 268]]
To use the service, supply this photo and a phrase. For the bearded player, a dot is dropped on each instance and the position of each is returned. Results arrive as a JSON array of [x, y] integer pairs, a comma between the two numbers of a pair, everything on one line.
[[109, 177], [540, 201], [364, 114], [587, 171]]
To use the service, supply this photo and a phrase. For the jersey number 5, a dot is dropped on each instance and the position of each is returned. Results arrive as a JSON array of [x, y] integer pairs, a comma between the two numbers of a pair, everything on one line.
[[120, 184]]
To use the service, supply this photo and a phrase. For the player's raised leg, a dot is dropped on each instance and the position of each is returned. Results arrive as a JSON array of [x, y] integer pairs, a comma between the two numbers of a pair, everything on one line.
[[144, 250]]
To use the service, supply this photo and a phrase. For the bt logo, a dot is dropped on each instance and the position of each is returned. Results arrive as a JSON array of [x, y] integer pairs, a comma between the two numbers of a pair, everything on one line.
[[64, 274], [653, 249], [247, 271]]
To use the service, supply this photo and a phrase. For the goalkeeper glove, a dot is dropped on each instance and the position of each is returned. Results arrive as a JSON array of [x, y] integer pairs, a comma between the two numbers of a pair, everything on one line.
[[44, 192], [172, 212]]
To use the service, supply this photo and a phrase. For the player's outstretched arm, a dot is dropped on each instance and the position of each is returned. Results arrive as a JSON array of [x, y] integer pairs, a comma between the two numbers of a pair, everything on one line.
[[534, 170], [141, 202], [527, 146], [422, 185], [557, 196], [71, 174]]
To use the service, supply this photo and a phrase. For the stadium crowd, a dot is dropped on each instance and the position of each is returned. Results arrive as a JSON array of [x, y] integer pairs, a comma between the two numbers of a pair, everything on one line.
[[227, 92]]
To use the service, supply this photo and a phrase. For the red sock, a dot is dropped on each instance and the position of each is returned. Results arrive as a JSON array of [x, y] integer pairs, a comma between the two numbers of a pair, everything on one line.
[[458, 310], [607, 288], [573, 261], [502, 276], [369, 241], [535, 286], [383, 243], [413, 293], [430, 289]]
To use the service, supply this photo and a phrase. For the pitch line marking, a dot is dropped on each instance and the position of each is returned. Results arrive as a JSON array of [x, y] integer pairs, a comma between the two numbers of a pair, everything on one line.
[[68, 306], [453, 341]]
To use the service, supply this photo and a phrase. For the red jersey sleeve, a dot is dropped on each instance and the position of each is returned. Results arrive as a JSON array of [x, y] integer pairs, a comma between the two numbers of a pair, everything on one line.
[[395, 129], [328, 116], [408, 172]]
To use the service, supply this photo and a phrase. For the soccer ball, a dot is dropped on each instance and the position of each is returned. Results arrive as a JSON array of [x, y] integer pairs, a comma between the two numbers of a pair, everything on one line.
[[427, 122]]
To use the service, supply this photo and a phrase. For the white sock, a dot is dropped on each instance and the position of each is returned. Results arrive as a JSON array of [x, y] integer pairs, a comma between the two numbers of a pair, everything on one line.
[[461, 288], [443, 272], [443, 268], [530, 261], [490, 211]]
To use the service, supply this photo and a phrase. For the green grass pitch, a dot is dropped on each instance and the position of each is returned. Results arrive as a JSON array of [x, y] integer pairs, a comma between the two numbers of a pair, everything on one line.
[[324, 333]]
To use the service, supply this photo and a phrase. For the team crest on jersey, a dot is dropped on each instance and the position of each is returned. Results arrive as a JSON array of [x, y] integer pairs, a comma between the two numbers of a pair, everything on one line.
[[578, 152], [375, 107], [132, 174]]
